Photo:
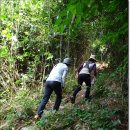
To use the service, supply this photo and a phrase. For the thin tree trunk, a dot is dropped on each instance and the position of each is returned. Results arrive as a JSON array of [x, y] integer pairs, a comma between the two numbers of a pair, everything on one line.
[[68, 46], [61, 40]]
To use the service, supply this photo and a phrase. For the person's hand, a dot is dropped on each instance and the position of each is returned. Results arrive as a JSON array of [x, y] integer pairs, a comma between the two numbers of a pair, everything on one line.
[[93, 82]]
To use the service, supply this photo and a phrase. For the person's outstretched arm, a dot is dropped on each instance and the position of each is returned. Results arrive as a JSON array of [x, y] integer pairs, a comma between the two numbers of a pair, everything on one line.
[[93, 75]]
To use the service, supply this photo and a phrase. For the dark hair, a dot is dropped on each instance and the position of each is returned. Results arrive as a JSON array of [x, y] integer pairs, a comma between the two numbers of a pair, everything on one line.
[[92, 60]]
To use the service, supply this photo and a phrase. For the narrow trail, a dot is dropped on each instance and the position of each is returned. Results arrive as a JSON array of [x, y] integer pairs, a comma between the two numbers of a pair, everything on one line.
[[66, 104]]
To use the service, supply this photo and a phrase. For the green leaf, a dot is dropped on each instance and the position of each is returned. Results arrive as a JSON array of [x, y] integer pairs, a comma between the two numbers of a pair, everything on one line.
[[2, 16], [3, 52], [100, 128]]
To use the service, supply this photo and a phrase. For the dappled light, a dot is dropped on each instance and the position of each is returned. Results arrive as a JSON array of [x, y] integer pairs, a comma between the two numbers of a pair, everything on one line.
[[76, 51]]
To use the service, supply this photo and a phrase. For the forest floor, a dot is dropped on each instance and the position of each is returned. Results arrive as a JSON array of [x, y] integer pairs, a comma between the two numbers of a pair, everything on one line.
[[83, 125], [103, 111], [66, 104], [50, 104]]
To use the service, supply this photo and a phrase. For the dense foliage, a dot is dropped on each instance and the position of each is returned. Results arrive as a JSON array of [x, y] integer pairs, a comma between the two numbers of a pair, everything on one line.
[[36, 34]]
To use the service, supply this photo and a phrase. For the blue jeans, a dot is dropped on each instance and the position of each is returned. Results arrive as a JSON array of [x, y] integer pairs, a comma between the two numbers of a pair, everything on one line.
[[49, 88]]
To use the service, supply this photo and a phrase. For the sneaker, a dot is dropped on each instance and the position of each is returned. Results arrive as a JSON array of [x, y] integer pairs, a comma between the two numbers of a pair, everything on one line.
[[72, 99], [37, 117], [88, 99]]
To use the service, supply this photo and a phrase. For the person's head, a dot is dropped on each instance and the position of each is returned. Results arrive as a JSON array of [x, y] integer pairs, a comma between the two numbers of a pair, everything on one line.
[[92, 58], [67, 61]]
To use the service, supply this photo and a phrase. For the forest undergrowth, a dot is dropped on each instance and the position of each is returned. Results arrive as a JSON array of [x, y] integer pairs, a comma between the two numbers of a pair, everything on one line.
[[37, 34], [107, 109]]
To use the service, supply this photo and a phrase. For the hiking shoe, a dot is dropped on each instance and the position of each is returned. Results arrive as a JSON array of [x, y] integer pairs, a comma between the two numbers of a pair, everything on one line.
[[88, 99], [36, 117], [72, 99]]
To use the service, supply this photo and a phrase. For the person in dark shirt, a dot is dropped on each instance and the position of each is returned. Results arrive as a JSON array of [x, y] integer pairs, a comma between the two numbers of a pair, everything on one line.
[[85, 73]]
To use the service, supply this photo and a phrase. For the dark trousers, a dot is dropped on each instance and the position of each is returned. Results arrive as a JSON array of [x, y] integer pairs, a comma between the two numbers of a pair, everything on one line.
[[83, 78], [49, 88]]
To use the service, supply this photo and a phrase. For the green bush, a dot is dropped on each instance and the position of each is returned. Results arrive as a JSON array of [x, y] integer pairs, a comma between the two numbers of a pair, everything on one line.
[[101, 89], [71, 83], [19, 108]]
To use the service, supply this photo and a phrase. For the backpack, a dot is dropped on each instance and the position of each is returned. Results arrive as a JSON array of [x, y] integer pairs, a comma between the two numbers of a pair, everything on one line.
[[89, 65]]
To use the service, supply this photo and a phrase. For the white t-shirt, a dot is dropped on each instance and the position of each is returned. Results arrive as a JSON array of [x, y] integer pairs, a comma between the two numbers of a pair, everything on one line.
[[58, 73]]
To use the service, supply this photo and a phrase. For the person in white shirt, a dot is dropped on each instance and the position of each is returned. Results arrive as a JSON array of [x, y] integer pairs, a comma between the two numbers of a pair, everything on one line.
[[55, 82], [85, 73]]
